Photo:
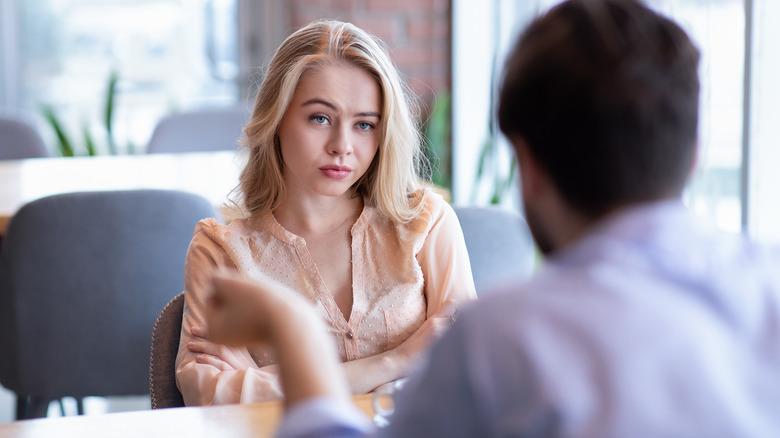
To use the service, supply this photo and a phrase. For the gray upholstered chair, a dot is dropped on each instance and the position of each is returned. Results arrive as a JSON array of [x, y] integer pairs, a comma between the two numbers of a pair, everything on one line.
[[18, 139], [499, 244], [199, 131], [165, 347], [83, 277]]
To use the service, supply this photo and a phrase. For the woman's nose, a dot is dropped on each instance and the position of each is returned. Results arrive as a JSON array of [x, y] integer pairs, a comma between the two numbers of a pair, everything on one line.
[[341, 143]]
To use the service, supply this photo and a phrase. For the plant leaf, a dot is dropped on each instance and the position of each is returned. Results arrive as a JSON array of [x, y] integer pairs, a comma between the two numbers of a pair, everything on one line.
[[63, 143], [109, 111], [89, 142]]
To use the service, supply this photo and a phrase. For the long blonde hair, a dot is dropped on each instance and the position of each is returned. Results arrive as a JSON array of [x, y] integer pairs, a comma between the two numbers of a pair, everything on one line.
[[398, 167]]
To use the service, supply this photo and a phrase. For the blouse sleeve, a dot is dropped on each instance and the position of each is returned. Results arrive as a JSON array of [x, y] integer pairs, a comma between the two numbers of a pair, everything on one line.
[[203, 384], [444, 259]]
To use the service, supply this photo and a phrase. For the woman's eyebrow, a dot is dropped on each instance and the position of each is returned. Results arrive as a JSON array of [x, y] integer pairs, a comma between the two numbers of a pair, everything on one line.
[[320, 101]]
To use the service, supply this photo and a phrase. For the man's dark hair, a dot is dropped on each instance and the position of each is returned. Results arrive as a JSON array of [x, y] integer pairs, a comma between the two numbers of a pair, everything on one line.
[[606, 94]]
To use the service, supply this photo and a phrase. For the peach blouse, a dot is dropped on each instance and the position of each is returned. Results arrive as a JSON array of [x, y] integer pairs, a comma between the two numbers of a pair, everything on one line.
[[401, 275]]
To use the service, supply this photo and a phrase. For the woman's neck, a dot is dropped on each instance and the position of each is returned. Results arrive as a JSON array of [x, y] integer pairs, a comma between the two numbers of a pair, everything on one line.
[[320, 216]]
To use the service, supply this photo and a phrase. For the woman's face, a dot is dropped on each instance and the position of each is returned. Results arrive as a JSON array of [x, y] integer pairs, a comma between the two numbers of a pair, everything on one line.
[[330, 132]]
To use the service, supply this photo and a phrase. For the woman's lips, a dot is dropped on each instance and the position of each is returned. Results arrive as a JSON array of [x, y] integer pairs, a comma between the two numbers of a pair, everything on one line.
[[335, 172]]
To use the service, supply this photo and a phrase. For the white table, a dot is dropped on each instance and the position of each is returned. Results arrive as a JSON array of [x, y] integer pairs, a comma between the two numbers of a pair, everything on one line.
[[258, 420]]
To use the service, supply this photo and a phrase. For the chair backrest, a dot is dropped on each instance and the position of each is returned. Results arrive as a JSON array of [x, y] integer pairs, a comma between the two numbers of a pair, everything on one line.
[[18, 139], [499, 243], [199, 131], [83, 277], [165, 347]]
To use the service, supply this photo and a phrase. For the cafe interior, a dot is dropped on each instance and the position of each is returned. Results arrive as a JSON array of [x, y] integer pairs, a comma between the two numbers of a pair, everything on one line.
[[146, 100]]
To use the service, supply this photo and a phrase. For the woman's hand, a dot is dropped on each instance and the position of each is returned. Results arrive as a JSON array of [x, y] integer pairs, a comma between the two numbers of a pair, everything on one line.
[[370, 373], [219, 356], [410, 352]]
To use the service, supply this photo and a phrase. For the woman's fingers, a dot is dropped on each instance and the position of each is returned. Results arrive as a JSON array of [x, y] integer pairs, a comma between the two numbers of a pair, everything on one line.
[[198, 332], [215, 353], [213, 361], [203, 347]]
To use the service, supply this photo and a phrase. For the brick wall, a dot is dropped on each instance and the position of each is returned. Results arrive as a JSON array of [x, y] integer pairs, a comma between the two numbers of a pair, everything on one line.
[[417, 32]]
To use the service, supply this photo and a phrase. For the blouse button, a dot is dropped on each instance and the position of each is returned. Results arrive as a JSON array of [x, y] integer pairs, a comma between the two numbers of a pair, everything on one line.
[[350, 335]]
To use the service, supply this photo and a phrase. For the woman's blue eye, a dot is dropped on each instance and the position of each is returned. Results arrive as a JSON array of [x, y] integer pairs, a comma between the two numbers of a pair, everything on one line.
[[365, 126], [321, 120]]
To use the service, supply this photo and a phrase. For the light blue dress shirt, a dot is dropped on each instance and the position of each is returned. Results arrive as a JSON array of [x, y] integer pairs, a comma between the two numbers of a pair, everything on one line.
[[653, 325]]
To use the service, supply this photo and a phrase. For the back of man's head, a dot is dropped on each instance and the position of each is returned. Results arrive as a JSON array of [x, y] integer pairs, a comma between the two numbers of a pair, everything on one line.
[[605, 94]]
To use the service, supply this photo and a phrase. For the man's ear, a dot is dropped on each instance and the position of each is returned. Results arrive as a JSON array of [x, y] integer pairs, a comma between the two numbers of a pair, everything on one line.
[[532, 178]]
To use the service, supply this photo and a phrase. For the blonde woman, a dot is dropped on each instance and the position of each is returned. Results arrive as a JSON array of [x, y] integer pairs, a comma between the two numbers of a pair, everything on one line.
[[335, 212]]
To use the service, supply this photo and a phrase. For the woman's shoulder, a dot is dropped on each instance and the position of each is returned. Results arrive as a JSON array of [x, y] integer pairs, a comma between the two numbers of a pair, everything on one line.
[[216, 230], [435, 204], [433, 207]]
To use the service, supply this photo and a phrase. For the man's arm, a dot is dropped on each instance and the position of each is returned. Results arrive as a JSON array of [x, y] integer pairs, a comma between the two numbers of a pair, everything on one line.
[[241, 312], [317, 398]]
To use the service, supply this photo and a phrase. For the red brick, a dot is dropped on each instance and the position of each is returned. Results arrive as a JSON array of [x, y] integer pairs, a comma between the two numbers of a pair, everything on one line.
[[440, 56], [417, 32], [341, 5], [300, 20], [412, 55], [427, 28], [384, 26], [305, 11], [399, 5], [441, 6], [421, 89]]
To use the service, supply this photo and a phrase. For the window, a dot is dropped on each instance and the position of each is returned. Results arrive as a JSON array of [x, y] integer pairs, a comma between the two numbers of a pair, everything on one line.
[[763, 154], [718, 28], [734, 183], [168, 55]]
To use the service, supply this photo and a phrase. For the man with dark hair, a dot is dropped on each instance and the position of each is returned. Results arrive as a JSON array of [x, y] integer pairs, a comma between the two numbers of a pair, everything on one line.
[[643, 321], [604, 95]]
